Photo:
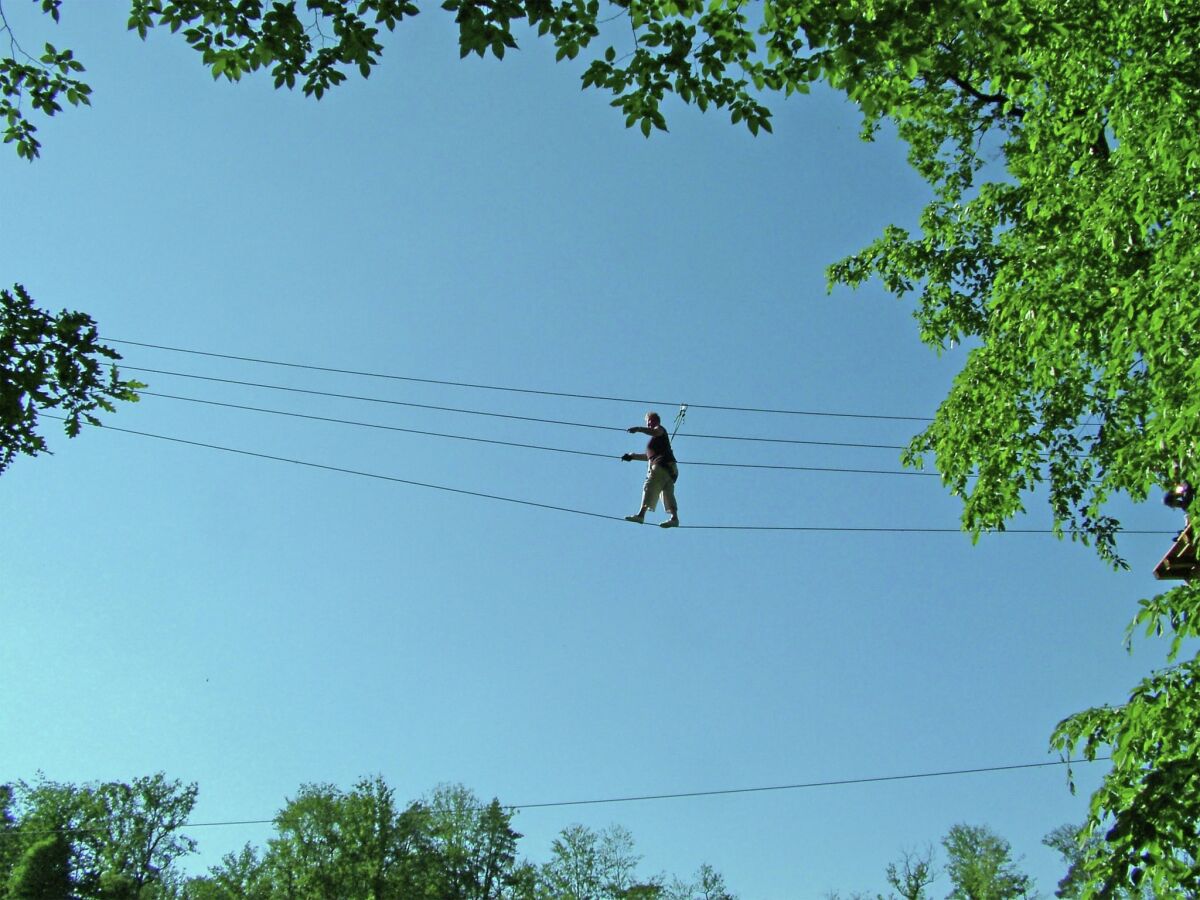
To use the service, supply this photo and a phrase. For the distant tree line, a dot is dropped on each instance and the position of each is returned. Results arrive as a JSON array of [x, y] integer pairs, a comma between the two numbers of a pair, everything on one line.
[[126, 841], [980, 866], [118, 841]]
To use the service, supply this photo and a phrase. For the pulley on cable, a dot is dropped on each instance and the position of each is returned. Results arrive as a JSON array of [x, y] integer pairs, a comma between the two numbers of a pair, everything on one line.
[[679, 417]]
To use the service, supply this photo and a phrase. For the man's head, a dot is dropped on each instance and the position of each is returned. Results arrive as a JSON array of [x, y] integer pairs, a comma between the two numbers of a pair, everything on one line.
[[653, 420]]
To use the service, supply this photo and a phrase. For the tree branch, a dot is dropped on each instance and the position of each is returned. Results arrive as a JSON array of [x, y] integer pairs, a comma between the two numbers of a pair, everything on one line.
[[995, 99]]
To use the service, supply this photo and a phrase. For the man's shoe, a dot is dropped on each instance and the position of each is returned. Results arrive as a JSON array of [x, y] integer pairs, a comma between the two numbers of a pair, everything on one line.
[[639, 518], [672, 522]]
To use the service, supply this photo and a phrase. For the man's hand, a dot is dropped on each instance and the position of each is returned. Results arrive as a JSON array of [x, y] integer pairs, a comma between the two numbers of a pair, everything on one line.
[[633, 430], [626, 457]]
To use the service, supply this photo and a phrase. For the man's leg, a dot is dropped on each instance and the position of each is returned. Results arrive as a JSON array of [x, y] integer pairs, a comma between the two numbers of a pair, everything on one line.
[[651, 489], [649, 499], [668, 495]]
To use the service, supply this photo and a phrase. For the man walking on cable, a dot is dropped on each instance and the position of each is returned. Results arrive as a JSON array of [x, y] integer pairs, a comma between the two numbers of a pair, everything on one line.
[[661, 472]]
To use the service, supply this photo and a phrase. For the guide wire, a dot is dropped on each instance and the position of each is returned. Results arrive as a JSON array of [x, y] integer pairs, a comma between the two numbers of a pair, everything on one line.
[[494, 415], [493, 387], [517, 444]]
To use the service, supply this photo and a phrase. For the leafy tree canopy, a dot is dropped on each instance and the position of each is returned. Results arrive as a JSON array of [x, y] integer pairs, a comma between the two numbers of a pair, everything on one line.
[[980, 865], [1073, 844], [44, 871], [50, 362], [586, 864], [1144, 828], [107, 841]]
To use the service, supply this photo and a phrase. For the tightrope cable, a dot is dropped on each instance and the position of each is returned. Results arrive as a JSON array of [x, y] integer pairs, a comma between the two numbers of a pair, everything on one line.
[[580, 512]]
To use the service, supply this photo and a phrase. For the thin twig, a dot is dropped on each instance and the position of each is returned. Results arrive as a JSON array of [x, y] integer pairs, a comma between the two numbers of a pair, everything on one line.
[[14, 47]]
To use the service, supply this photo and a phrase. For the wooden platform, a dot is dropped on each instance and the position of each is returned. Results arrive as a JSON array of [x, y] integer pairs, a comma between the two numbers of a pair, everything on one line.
[[1180, 563]]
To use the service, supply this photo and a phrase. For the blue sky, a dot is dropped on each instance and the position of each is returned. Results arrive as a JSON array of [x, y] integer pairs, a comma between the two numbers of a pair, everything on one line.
[[252, 625]]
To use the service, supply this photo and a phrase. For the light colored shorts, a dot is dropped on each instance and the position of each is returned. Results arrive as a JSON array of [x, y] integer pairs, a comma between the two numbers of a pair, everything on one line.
[[658, 482]]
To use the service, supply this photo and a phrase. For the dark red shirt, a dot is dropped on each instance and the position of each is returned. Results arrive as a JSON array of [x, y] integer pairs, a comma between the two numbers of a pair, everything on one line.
[[659, 449]]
